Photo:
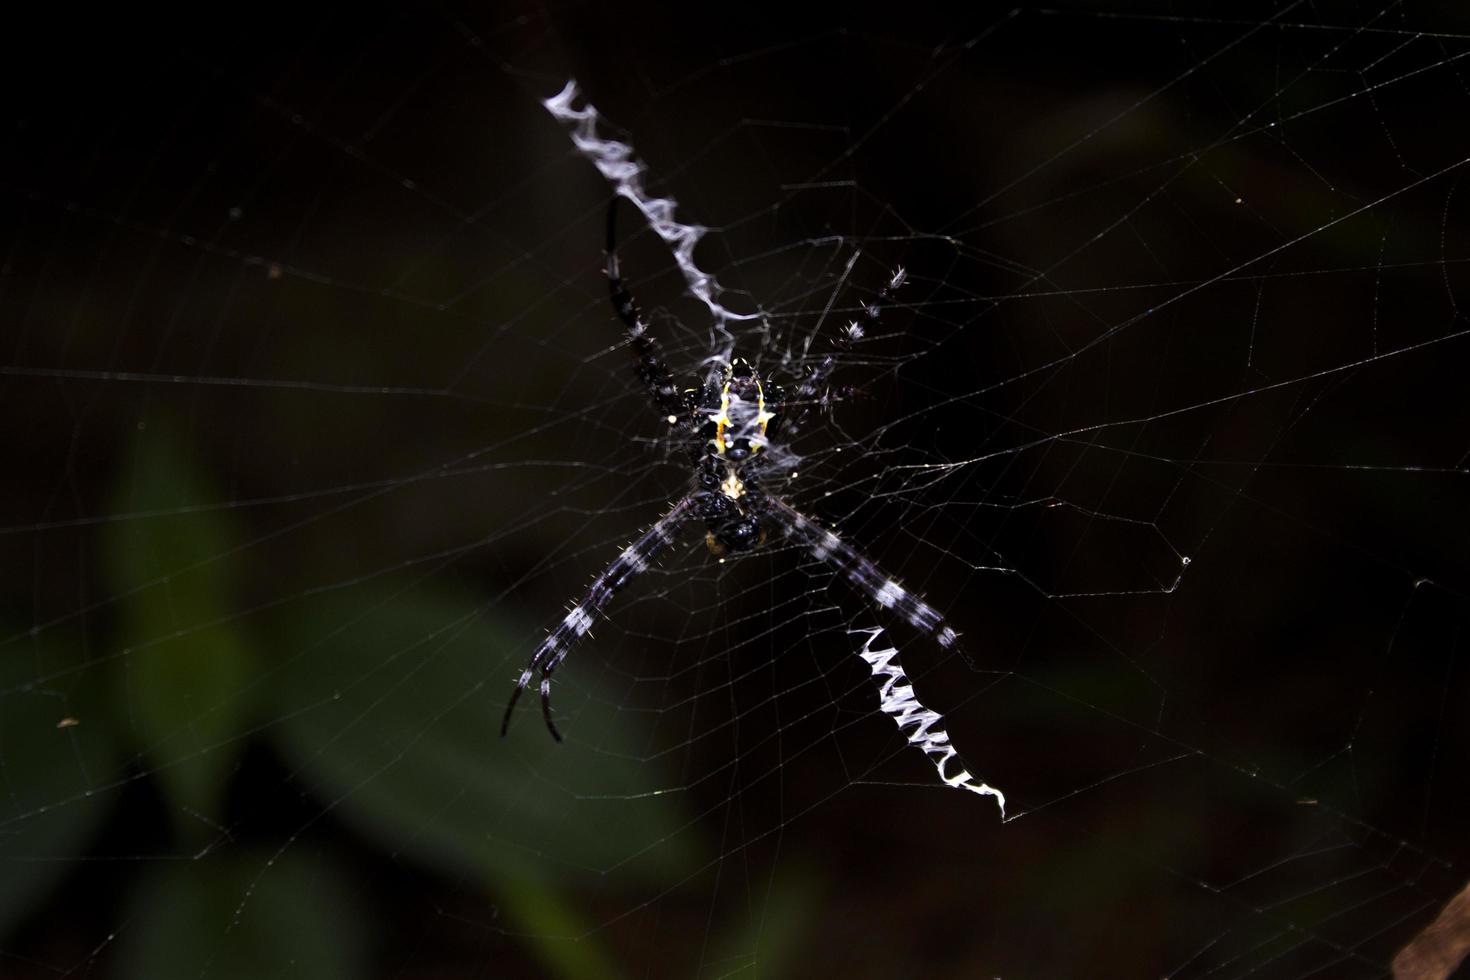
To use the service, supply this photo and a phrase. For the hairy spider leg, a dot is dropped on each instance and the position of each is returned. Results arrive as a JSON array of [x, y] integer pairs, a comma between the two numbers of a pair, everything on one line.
[[628, 565], [863, 574], [652, 370], [806, 395]]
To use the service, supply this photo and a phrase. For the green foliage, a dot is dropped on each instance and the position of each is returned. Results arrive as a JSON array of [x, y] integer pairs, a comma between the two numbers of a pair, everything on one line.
[[386, 708], [240, 918], [185, 662], [556, 935], [766, 944], [56, 757], [380, 704]]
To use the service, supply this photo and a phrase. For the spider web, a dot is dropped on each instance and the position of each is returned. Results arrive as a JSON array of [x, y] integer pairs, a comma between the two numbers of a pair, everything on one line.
[[319, 416]]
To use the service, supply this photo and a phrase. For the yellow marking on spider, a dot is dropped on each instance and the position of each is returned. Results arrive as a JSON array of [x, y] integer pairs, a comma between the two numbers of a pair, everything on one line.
[[762, 417], [722, 419]]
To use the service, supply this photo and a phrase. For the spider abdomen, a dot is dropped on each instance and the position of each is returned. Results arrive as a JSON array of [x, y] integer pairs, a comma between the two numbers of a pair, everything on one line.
[[732, 526]]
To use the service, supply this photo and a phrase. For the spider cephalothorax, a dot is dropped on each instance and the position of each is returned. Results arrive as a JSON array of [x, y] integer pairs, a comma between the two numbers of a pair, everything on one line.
[[734, 425], [726, 426]]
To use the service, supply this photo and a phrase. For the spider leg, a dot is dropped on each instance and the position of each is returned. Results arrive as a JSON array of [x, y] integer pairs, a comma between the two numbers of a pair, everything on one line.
[[921, 725], [862, 573], [628, 565], [809, 393], [652, 370]]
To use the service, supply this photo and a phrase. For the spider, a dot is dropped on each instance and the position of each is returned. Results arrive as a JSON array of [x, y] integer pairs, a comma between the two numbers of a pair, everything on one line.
[[726, 427]]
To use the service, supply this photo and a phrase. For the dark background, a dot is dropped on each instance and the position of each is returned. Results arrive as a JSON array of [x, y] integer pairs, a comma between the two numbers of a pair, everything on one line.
[[314, 420]]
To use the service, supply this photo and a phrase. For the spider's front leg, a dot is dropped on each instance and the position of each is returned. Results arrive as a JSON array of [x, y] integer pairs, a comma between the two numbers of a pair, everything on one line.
[[809, 393], [652, 370], [628, 565]]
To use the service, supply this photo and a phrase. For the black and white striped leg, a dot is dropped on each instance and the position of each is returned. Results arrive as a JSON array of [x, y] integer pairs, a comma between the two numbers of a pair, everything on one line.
[[864, 575], [810, 392], [628, 565], [922, 726], [652, 370]]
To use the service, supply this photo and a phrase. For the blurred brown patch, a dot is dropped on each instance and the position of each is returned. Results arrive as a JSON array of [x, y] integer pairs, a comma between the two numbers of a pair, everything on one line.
[[1442, 945]]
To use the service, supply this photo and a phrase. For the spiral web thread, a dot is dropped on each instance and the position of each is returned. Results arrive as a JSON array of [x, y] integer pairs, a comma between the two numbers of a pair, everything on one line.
[[615, 161], [920, 725]]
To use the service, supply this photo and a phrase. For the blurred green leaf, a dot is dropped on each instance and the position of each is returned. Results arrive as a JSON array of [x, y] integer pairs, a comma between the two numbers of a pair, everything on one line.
[[386, 710], [260, 915], [765, 943], [185, 662], [556, 934], [57, 768]]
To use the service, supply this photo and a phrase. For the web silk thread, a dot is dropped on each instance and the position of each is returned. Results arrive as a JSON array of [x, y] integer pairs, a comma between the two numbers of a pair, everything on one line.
[[897, 699], [614, 160]]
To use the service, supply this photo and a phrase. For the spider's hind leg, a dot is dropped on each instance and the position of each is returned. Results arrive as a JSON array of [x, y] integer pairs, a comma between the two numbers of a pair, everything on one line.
[[865, 576]]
